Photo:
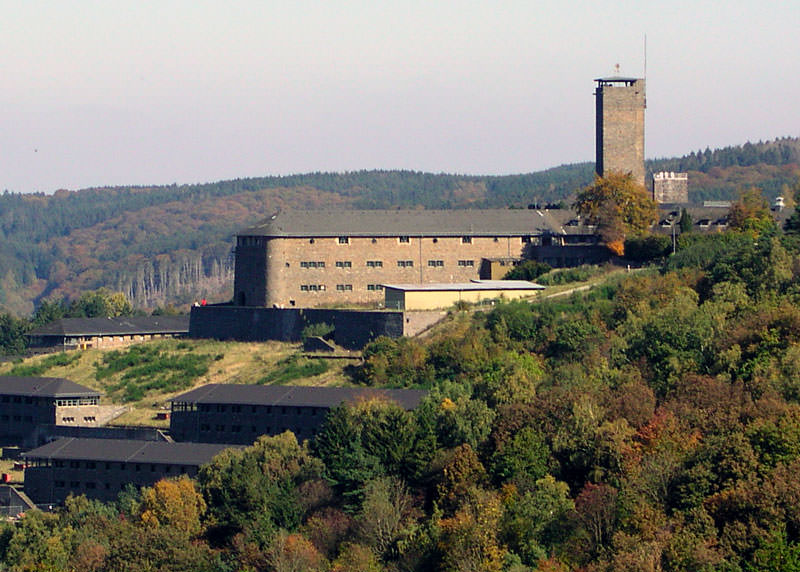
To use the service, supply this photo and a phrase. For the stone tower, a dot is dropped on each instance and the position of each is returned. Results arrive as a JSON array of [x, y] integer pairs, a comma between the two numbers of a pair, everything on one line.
[[620, 105], [670, 188]]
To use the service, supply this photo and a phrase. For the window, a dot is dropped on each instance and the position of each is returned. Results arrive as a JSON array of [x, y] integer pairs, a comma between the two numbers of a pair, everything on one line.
[[344, 240], [90, 485], [344, 264], [374, 287], [374, 263], [236, 428], [436, 263], [312, 287], [236, 408], [60, 484], [466, 263], [403, 239], [466, 240], [312, 264], [526, 240], [405, 263], [344, 287]]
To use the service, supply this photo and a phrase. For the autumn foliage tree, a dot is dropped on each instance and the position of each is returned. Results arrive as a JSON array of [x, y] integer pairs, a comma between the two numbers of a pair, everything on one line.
[[619, 206]]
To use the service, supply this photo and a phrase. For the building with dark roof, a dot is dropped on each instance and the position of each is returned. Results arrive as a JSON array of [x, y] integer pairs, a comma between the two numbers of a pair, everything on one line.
[[29, 402], [101, 468], [229, 413], [84, 333], [312, 258]]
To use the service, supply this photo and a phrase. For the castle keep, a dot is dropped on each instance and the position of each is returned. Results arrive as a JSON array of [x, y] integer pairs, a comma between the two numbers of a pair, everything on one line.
[[620, 104]]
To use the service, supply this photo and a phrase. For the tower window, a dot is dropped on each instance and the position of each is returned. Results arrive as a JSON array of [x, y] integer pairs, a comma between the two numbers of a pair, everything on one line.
[[344, 240]]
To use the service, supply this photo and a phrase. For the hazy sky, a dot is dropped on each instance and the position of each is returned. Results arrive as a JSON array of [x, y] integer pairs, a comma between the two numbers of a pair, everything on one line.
[[117, 92]]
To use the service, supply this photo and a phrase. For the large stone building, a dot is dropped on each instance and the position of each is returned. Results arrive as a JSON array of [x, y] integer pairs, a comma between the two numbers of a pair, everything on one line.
[[313, 258], [228, 413], [620, 104]]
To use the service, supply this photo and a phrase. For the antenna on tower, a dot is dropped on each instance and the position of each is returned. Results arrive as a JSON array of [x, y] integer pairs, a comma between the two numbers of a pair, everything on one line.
[[645, 56]]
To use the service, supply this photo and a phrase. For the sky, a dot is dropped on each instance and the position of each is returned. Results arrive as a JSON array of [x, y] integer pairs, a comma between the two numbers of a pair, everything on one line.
[[139, 92]]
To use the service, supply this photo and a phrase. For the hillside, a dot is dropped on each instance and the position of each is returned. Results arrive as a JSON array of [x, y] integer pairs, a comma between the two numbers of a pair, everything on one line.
[[143, 377], [649, 423], [172, 244]]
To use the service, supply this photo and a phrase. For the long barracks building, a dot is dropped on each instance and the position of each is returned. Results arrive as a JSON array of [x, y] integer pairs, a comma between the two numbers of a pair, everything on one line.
[[231, 413], [312, 258]]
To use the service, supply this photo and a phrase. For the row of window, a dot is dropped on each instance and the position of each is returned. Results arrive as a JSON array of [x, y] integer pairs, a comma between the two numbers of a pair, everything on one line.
[[109, 465], [86, 419], [206, 428], [339, 287], [261, 241], [379, 263], [406, 239], [27, 418], [349, 264], [222, 408]]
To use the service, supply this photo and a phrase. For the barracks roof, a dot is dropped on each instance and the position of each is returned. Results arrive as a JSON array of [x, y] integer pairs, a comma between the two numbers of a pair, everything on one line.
[[43, 387], [114, 326], [296, 396], [463, 222], [128, 451]]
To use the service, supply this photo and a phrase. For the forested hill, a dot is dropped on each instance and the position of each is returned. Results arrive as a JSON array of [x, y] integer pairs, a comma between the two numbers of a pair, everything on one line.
[[171, 244]]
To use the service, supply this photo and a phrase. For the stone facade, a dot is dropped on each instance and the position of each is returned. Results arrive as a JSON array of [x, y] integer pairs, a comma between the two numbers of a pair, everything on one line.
[[671, 188], [308, 272], [620, 104]]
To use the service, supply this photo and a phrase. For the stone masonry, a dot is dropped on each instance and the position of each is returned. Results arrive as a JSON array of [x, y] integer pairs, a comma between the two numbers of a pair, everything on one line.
[[671, 188], [620, 105]]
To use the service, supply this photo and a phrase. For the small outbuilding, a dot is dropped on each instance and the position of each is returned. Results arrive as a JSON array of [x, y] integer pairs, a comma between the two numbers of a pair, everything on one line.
[[433, 296]]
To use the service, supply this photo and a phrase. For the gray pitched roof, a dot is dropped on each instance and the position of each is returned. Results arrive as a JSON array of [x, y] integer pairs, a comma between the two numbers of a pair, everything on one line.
[[296, 396], [128, 451], [114, 326], [43, 387], [464, 222]]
